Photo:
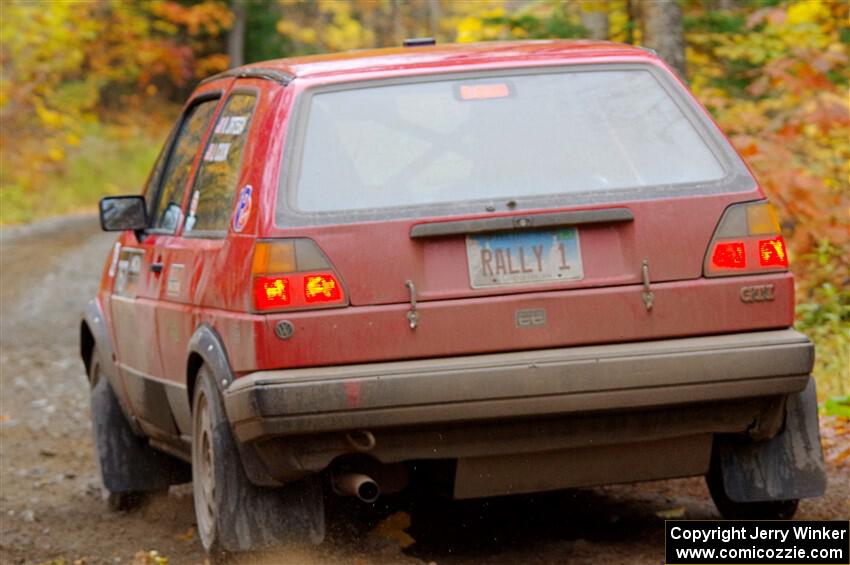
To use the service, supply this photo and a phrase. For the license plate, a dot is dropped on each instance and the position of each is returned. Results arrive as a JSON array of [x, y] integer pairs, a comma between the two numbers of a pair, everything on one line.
[[524, 258]]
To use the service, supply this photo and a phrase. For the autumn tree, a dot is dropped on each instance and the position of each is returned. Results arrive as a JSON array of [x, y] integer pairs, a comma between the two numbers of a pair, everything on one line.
[[662, 30]]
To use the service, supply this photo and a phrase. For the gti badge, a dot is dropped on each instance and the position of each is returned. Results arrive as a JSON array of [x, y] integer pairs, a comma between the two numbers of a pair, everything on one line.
[[757, 293]]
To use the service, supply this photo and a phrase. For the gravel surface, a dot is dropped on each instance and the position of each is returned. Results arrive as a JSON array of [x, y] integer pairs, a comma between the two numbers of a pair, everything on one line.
[[50, 499]]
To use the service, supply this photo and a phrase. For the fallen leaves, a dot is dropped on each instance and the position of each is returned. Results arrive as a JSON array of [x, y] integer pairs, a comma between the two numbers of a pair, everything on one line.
[[835, 439], [393, 528], [676, 513], [151, 557], [187, 536]]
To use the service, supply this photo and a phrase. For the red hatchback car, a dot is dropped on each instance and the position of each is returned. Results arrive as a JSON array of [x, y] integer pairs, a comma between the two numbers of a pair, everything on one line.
[[506, 267]]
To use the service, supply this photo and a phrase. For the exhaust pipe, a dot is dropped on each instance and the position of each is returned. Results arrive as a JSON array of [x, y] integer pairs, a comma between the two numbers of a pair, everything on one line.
[[359, 485]]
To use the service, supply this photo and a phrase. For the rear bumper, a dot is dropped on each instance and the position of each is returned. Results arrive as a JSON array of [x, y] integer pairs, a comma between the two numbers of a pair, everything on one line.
[[568, 381]]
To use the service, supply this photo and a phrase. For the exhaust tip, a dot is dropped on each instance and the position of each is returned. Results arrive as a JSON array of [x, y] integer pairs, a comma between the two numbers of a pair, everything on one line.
[[368, 491], [359, 485]]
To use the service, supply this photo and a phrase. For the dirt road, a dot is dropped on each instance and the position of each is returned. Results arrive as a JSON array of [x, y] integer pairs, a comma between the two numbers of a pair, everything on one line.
[[50, 502]]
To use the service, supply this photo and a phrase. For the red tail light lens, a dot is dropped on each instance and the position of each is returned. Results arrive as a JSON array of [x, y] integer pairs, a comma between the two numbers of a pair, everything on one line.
[[772, 252], [321, 288], [730, 255], [272, 292]]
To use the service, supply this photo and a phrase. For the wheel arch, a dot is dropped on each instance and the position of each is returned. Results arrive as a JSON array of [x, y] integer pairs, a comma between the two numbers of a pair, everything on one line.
[[95, 334], [207, 348], [86, 346]]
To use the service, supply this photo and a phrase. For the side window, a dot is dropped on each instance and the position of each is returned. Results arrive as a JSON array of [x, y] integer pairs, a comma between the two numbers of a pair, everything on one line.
[[156, 175], [215, 183], [168, 213]]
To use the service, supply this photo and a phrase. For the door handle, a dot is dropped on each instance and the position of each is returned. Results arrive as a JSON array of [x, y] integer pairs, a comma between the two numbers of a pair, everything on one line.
[[157, 267]]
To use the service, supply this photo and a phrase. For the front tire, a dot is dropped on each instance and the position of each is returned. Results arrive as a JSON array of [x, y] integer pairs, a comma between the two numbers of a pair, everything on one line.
[[233, 514]]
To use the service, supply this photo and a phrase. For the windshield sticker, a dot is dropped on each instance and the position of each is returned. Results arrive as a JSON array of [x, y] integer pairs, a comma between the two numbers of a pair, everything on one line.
[[217, 152], [231, 125], [243, 208], [222, 124], [193, 208], [236, 125]]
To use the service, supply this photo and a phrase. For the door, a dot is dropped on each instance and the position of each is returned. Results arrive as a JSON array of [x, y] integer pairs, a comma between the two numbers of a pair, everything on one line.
[[199, 261], [140, 276]]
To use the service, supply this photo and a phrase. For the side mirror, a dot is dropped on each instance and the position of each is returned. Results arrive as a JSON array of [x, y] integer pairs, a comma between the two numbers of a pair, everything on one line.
[[119, 213]]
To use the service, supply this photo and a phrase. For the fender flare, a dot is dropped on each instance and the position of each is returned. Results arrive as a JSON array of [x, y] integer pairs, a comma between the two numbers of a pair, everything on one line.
[[206, 345], [94, 319]]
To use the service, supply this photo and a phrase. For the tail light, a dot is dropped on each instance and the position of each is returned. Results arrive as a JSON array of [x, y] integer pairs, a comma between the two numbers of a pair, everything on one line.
[[747, 241], [294, 274]]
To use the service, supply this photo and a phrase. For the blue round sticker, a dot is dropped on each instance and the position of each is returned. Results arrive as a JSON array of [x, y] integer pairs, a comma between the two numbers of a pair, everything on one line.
[[243, 208]]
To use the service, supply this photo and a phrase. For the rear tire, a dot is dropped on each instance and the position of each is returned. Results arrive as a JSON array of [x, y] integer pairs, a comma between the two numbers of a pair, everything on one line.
[[233, 514], [130, 469], [731, 510]]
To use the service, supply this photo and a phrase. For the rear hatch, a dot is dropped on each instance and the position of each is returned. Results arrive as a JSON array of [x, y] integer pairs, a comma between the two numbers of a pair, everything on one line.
[[523, 183], [530, 180]]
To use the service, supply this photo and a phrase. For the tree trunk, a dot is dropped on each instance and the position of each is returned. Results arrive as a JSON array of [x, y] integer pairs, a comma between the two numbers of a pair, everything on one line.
[[236, 35], [434, 14], [398, 24], [662, 30], [594, 18]]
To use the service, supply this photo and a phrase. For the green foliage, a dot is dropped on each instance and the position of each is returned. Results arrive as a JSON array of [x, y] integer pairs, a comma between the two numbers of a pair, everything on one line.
[[824, 315], [557, 23], [716, 22], [262, 42], [838, 406]]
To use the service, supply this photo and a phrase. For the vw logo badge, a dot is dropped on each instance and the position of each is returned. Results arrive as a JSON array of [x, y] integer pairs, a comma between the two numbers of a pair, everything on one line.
[[284, 329]]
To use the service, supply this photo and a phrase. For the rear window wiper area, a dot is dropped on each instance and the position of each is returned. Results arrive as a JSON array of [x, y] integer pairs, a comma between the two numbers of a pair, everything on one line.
[[521, 222]]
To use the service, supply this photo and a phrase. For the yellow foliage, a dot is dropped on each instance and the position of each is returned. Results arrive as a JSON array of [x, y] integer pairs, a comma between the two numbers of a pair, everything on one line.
[[470, 30], [55, 154], [808, 11]]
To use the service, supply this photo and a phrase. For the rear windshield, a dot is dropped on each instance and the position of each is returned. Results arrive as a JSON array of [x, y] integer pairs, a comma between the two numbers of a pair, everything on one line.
[[420, 148]]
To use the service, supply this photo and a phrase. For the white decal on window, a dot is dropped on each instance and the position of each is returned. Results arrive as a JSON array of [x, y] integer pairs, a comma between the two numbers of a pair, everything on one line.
[[217, 152], [221, 126], [236, 125]]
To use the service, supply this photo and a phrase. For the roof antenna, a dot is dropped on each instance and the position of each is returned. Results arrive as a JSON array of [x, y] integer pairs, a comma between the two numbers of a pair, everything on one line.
[[419, 41]]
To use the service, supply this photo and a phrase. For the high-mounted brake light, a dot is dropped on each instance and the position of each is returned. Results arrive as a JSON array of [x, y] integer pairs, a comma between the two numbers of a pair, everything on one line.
[[294, 274], [746, 241], [484, 91]]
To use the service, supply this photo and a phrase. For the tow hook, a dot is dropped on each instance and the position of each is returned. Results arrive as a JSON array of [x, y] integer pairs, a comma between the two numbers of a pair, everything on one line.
[[648, 296], [412, 314]]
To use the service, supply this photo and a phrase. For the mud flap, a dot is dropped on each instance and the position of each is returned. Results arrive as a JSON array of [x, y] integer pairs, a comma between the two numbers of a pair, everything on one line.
[[127, 463], [788, 466]]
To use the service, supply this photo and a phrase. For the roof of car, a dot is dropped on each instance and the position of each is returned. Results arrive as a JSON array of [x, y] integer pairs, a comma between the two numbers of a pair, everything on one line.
[[445, 55]]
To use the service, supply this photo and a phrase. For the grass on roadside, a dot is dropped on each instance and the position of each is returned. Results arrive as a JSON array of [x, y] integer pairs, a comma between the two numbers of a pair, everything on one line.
[[109, 160]]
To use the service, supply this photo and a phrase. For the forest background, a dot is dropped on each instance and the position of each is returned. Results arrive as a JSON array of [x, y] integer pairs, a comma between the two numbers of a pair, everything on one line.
[[89, 90]]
